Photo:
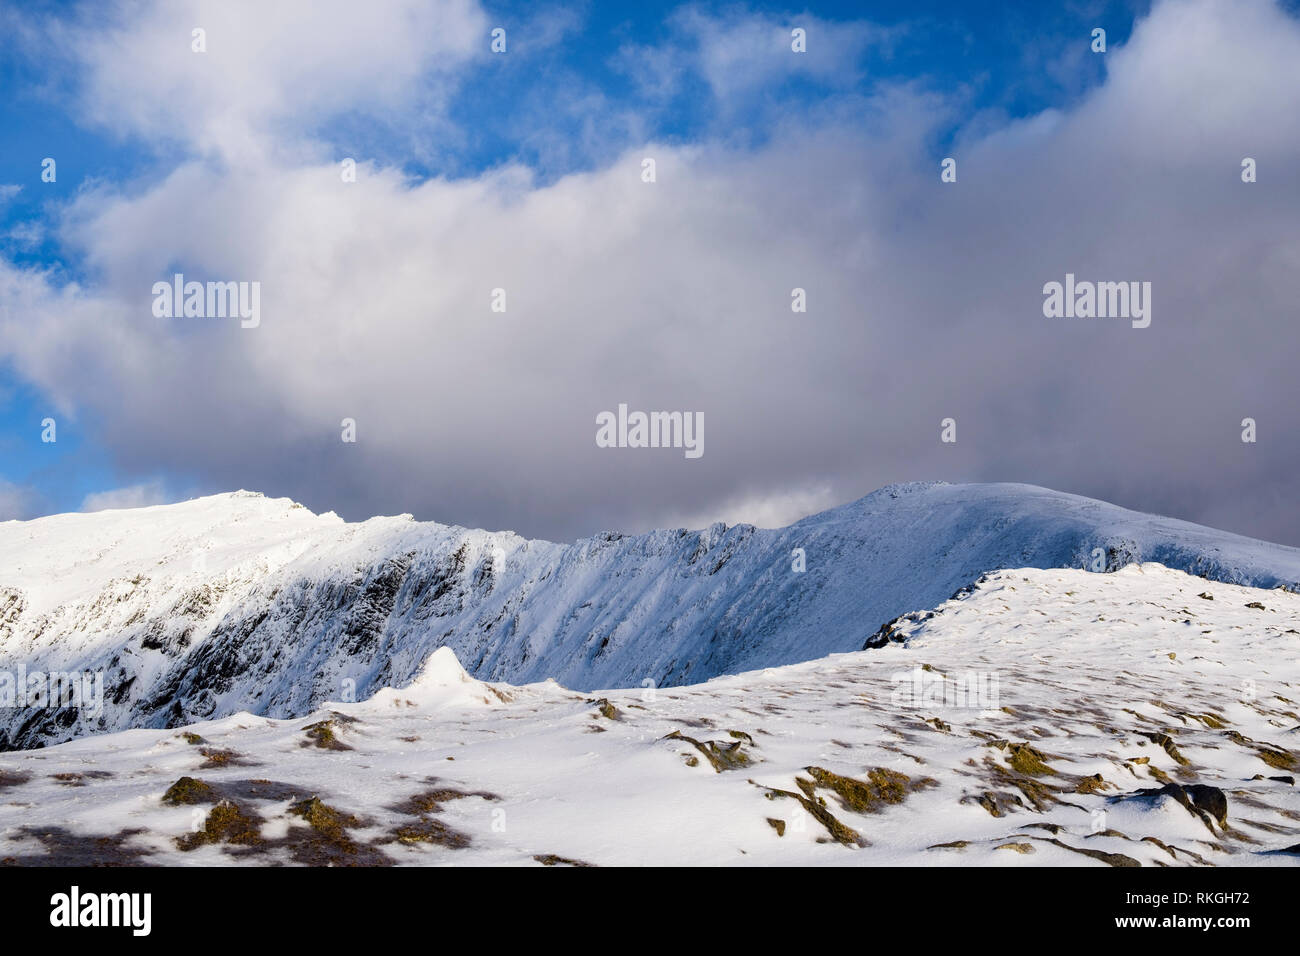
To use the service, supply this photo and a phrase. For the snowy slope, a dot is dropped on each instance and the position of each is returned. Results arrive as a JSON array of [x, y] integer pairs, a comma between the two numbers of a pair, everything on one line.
[[1106, 685], [241, 603]]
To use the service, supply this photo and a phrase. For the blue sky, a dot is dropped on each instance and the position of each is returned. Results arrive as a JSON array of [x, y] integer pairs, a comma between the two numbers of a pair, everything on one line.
[[482, 169], [1001, 63]]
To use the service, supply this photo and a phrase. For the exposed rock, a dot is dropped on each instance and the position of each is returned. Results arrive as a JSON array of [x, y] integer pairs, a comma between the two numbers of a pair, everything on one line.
[[1209, 804]]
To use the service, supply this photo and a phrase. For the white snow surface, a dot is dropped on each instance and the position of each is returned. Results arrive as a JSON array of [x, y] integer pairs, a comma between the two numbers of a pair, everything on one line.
[[237, 602], [1115, 682]]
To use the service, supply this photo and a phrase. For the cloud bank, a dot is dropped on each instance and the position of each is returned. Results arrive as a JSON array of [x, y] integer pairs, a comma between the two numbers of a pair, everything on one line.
[[924, 299]]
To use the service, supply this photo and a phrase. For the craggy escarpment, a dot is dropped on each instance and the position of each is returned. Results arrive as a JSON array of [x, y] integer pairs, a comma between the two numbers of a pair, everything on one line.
[[239, 602]]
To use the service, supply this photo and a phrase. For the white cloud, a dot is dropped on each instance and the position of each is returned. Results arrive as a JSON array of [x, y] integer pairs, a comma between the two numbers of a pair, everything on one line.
[[741, 51], [764, 510], [17, 502], [133, 496], [26, 233], [270, 70]]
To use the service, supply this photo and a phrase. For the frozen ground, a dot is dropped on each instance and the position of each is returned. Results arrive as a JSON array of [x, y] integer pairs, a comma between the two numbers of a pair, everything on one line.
[[1093, 687]]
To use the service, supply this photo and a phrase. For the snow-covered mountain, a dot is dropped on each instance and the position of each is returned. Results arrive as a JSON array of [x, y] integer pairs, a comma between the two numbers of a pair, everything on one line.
[[241, 603], [1048, 717]]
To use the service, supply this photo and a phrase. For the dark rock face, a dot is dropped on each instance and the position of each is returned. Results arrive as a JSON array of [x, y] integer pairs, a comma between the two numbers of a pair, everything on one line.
[[1201, 800]]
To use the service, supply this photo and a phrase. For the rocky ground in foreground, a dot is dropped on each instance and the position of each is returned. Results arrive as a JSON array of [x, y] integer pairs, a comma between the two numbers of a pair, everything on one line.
[[1055, 717]]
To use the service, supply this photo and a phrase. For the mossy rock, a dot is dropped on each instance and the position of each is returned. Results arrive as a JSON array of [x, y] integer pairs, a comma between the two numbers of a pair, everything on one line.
[[1276, 757], [997, 802], [550, 859], [1167, 743], [324, 734], [188, 790], [720, 755], [1028, 761], [324, 818], [839, 832], [1213, 721], [1095, 783], [216, 758], [13, 778], [1174, 851], [1037, 792], [431, 801], [226, 823], [1111, 859], [882, 787], [1021, 848], [951, 845], [427, 830]]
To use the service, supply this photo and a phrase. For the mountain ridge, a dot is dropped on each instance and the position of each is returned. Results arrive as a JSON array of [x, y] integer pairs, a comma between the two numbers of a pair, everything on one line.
[[239, 602]]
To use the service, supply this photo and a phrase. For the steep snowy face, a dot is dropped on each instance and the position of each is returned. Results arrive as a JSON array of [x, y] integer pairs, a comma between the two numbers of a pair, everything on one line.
[[238, 602]]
